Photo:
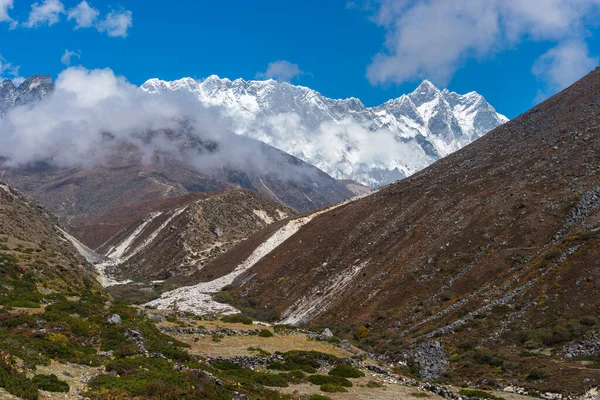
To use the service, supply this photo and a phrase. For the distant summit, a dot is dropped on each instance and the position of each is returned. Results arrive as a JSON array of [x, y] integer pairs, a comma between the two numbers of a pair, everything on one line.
[[33, 88]]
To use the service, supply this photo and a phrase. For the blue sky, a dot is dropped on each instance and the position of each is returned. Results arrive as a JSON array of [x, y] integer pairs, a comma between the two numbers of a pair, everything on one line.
[[512, 54]]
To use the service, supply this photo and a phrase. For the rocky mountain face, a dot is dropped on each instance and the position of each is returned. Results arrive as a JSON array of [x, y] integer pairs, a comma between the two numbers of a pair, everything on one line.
[[32, 89], [155, 240], [126, 179], [24, 223], [489, 256], [371, 145]]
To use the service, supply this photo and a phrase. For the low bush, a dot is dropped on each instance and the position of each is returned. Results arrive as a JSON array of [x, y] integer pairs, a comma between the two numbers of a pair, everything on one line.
[[332, 388], [237, 319], [324, 379], [479, 394], [294, 377], [265, 333], [274, 380], [50, 383], [346, 371], [16, 383], [537, 374]]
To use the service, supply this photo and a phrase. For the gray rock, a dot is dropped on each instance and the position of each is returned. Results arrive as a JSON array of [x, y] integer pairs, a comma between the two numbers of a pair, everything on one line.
[[114, 319], [157, 318], [325, 335], [430, 360]]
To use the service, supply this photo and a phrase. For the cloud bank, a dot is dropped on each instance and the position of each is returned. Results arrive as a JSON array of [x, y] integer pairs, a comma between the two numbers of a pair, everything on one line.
[[5, 6], [281, 70], [116, 24], [50, 12], [94, 114], [68, 55], [84, 15], [434, 38], [46, 13]]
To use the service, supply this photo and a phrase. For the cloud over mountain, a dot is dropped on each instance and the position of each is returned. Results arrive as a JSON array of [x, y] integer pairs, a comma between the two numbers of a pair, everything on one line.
[[434, 38]]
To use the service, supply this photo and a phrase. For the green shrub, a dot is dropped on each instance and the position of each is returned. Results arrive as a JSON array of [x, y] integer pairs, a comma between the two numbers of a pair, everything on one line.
[[361, 333], [265, 333], [237, 319], [332, 388], [323, 379], [226, 365], [479, 394], [16, 383], [284, 327], [346, 371], [267, 379], [374, 384], [537, 373], [50, 383], [294, 377], [261, 352]]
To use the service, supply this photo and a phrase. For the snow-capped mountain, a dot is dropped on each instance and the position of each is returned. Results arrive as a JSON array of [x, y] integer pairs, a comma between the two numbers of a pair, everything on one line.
[[371, 145], [32, 89]]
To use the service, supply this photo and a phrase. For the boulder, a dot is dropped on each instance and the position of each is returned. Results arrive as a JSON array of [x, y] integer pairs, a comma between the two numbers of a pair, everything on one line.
[[114, 319], [325, 335]]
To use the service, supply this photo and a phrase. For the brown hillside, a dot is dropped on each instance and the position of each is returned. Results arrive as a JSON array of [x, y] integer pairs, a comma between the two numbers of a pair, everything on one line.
[[128, 178], [495, 246], [179, 236]]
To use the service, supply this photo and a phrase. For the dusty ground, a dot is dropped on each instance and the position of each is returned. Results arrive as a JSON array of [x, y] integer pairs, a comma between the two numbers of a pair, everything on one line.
[[76, 376], [361, 392], [230, 346]]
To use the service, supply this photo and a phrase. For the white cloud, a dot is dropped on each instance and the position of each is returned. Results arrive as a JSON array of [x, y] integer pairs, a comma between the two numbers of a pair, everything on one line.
[[18, 80], [83, 14], [92, 113], [433, 38], [7, 69], [67, 55], [562, 65], [281, 70], [116, 24], [6, 5], [46, 13]]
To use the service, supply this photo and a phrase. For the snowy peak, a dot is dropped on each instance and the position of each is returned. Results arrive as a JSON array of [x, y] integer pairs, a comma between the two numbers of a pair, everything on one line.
[[371, 145], [33, 88], [426, 92]]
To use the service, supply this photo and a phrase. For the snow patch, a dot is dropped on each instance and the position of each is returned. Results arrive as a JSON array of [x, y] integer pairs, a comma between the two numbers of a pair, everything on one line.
[[281, 215], [321, 297], [262, 214], [117, 252], [154, 234], [197, 299], [90, 255]]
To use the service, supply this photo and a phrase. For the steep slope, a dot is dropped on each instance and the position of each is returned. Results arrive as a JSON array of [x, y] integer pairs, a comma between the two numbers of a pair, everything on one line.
[[32, 235], [413, 130], [128, 178], [177, 236], [491, 250]]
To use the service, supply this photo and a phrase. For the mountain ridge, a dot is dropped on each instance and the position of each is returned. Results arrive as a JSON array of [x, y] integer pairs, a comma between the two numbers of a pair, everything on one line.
[[423, 126]]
